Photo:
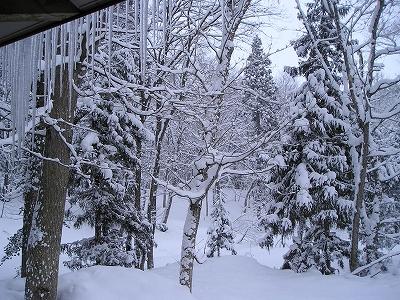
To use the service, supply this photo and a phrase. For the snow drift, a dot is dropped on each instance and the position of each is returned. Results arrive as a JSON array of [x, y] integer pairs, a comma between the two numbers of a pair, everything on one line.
[[106, 283]]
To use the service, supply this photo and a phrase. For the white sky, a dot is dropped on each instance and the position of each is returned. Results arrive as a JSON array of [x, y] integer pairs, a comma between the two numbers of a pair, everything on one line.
[[276, 35]]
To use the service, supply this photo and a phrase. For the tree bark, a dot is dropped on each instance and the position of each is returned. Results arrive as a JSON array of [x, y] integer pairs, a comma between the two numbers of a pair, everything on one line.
[[32, 194], [45, 237], [44, 242], [30, 199], [189, 243]]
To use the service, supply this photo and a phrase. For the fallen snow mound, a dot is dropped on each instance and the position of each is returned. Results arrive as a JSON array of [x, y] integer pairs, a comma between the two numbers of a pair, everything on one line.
[[106, 283], [243, 278]]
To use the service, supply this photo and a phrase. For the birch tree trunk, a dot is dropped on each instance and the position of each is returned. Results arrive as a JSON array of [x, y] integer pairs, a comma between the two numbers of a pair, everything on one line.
[[360, 194], [188, 244]]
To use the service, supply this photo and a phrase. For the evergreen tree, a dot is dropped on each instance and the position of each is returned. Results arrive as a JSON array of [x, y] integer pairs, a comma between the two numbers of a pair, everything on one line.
[[259, 104], [104, 192], [220, 234], [324, 29], [260, 89], [311, 192], [105, 142]]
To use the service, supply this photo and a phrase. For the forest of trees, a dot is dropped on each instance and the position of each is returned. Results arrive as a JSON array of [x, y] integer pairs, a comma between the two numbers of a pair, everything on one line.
[[100, 115]]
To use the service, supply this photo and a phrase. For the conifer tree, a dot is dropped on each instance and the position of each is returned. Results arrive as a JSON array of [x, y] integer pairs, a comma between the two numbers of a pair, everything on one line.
[[105, 142], [219, 234], [260, 89], [259, 104], [104, 192], [311, 192]]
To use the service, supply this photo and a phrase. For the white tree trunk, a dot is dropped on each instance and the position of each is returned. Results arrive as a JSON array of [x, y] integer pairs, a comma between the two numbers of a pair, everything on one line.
[[189, 243]]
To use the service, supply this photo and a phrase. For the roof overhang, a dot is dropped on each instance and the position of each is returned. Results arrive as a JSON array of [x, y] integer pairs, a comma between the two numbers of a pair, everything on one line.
[[23, 18]]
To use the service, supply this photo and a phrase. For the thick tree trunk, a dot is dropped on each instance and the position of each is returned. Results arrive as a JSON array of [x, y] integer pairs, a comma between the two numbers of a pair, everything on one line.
[[32, 194], [45, 236], [189, 243], [30, 199], [360, 194]]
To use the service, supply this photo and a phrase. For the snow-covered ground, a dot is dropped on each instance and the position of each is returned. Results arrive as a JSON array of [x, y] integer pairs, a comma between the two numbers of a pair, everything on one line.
[[253, 274]]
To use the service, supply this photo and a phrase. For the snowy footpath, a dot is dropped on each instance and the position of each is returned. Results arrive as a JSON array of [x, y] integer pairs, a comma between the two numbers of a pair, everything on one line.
[[253, 274]]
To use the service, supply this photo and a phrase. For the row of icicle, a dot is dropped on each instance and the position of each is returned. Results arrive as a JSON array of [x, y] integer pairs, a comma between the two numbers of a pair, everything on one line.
[[23, 62]]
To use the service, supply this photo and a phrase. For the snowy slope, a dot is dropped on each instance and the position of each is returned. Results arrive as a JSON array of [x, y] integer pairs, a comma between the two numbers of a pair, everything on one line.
[[253, 274], [243, 278], [105, 283], [223, 278]]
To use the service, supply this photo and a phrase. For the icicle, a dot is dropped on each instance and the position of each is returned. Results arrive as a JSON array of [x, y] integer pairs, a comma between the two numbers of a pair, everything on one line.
[[223, 16], [87, 20], [35, 58], [75, 36], [16, 93], [153, 12], [143, 40], [110, 32], [136, 17], [54, 42], [27, 79], [71, 59], [158, 17], [102, 19], [19, 66], [13, 82], [165, 15], [170, 6], [63, 44], [117, 15], [94, 20], [47, 45], [20, 63], [126, 16]]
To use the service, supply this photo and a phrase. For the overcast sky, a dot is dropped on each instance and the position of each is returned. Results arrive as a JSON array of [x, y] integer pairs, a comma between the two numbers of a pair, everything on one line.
[[276, 35]]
